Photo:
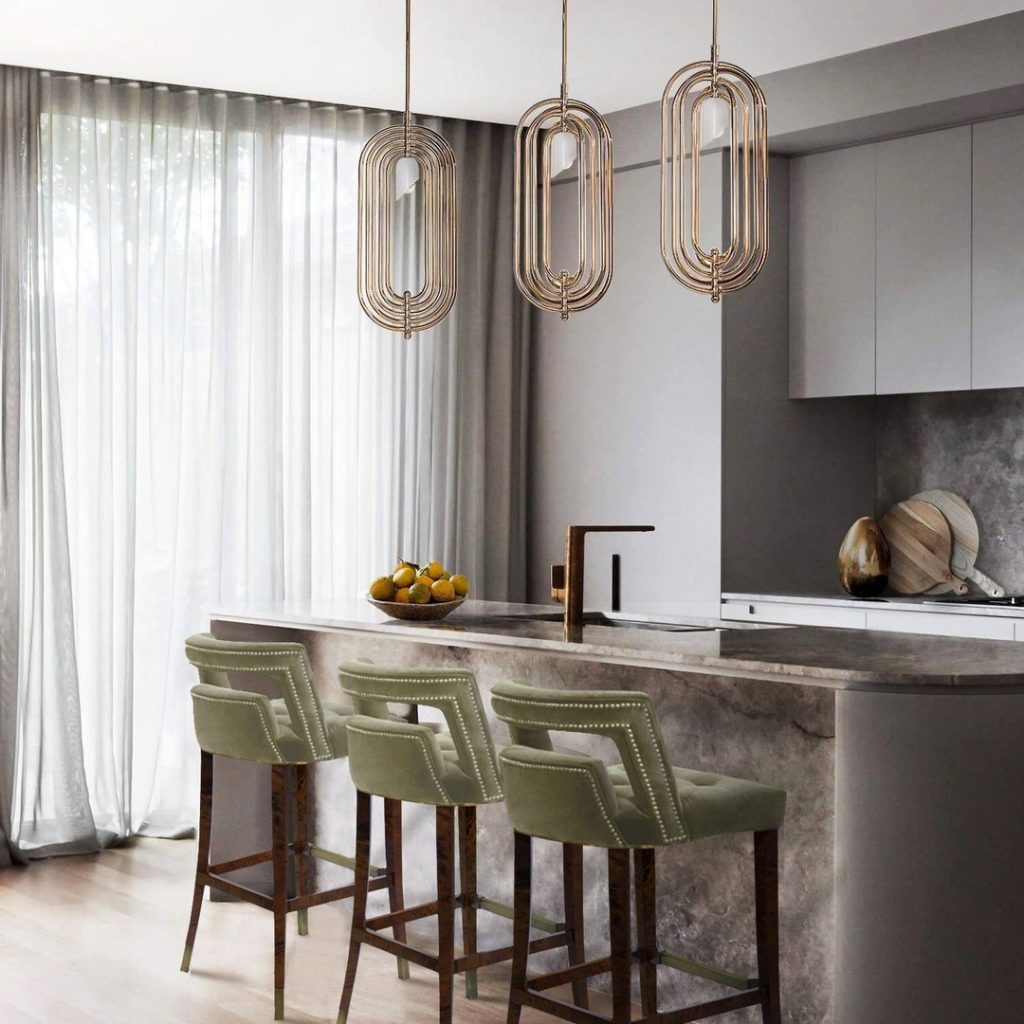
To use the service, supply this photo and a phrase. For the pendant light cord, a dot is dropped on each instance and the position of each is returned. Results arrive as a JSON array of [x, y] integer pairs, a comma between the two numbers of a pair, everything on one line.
[[565, 59], [408, 67], [714, 47]]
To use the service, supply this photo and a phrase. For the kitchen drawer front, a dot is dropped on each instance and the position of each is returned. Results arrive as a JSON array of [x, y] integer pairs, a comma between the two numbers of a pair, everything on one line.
[[977, 627], [793, 614], [1018, 631]]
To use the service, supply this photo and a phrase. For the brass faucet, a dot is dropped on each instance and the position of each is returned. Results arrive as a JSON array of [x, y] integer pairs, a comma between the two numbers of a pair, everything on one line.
[[567, 579]]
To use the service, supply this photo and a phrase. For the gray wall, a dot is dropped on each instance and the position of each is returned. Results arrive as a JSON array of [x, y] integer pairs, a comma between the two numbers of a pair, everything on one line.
[[625, 426], [795, 473], [969, 442]]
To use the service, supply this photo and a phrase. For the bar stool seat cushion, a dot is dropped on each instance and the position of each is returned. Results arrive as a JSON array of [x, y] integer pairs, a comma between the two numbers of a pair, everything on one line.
[[711, 805]]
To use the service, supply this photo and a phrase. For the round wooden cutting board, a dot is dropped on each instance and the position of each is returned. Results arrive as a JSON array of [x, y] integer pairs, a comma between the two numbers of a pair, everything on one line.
[[920, 547]]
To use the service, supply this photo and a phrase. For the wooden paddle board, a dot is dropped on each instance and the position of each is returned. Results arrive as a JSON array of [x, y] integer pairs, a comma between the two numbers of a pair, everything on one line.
[[920, 547]]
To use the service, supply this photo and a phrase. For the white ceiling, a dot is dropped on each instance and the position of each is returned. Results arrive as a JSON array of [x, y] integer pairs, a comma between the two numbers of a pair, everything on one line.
[[485, 59]]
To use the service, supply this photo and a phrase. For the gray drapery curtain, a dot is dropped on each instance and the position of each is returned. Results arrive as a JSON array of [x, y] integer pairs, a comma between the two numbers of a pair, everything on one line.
[[201, 413]]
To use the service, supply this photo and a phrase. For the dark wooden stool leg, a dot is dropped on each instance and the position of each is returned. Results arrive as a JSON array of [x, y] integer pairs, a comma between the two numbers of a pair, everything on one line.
[[766, 889], [523, 872], [303, 879], [646, 932], [620, 934], [467, 883], [393, 865], [362, 883], [572, 892], [203, 855], [279, 812], [445, 911]]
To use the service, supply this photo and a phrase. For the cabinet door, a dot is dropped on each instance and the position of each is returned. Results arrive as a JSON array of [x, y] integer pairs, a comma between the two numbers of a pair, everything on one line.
[[832, 274], [998, 302], [923, 266]]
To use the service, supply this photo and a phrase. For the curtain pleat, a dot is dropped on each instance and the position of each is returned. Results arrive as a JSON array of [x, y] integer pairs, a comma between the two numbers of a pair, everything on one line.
[[205, 416]]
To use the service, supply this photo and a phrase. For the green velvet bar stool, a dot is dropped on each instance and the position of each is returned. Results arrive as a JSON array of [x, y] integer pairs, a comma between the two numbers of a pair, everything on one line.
[[454, 771], [288, 733], [630, 808]]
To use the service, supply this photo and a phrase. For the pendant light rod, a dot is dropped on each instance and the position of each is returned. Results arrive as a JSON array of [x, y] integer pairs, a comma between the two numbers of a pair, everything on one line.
[[714, 47], [408, 70], [565, 60]]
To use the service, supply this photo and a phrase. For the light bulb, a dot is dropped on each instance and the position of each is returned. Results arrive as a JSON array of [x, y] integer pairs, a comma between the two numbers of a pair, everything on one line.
[[715, 116], [564, 151], [407, 175]]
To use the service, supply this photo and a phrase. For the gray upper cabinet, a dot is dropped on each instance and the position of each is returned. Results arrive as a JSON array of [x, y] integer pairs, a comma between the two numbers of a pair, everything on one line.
[[923, 267], [832, 274], [998, 306]]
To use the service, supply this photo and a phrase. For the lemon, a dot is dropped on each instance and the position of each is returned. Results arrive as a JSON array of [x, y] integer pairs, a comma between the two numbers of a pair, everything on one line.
[[383, 589], [419, 594], [461, 585], [402, 595], [445, 574], [405, 577], [425, 580], [403, 564], [442, 590], [434, 570]]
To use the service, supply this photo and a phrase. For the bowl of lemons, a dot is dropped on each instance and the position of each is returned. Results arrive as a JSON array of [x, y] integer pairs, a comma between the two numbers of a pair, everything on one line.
[[419, 593]]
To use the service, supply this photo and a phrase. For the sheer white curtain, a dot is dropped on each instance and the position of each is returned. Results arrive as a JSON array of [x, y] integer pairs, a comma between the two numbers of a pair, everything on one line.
[[233, 428]]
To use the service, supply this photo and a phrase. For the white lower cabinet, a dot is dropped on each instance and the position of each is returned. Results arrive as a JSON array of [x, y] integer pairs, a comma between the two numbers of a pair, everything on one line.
[[794, 614], [841, 615], [978, 627]]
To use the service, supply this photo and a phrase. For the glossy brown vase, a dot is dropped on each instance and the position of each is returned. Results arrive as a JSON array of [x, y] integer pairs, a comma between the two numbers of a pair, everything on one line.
[[864, 559]]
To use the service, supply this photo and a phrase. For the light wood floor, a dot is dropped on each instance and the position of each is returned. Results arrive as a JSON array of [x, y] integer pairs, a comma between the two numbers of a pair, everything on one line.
[[85, 940]]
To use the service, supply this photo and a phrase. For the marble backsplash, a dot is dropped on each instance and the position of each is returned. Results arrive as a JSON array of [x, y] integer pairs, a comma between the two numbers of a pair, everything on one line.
[[969, 442]]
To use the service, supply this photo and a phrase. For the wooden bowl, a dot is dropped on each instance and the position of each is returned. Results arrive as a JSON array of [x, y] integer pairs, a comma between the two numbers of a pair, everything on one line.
[[433, 612]]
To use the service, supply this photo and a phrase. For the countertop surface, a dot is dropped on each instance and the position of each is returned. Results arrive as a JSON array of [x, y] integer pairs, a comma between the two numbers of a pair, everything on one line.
[[816, 656]]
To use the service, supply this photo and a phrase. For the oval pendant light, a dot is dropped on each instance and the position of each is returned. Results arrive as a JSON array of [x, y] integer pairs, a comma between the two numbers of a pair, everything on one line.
[[702, 103], [551, 136], [395, 161]]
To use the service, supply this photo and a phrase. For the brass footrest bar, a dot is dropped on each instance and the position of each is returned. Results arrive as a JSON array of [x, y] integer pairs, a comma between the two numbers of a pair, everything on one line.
[[717, 974], [543, 924], [343, 861]]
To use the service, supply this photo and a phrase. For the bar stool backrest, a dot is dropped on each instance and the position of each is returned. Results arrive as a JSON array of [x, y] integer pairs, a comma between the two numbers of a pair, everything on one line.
[[563, 780], [242, 723], [405, 760]]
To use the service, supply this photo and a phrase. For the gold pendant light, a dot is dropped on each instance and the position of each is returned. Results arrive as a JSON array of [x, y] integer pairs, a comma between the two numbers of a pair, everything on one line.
[[693, 93], [383, 304], [545, 132]]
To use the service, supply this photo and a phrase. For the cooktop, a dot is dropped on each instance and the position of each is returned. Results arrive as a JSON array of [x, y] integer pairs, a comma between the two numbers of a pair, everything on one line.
[[1011, 600]]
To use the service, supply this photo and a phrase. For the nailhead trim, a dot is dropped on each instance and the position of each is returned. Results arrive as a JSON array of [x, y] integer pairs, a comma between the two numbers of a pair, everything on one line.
[[427, 754], [235, 701], [274, 653], [601, 803], [492, 792]]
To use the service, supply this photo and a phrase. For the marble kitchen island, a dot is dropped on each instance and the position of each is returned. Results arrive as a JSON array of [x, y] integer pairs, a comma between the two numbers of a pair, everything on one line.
[[902, 886]]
